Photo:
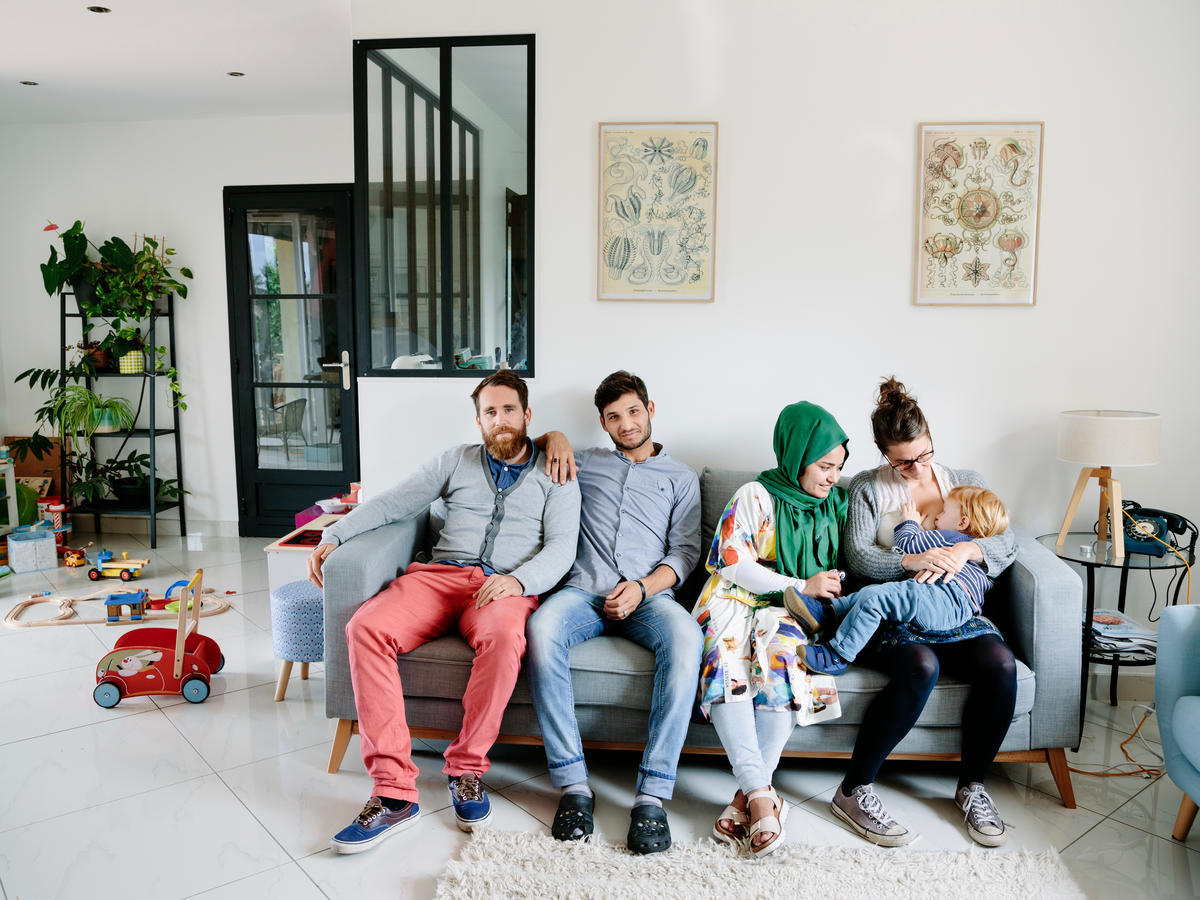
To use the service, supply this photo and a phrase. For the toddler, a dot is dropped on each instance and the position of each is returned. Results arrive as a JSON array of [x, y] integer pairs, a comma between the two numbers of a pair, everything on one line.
[[969, 512]]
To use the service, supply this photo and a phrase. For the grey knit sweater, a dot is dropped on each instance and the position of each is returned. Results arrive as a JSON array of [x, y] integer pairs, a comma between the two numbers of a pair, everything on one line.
[[867, 559], [529, 530]]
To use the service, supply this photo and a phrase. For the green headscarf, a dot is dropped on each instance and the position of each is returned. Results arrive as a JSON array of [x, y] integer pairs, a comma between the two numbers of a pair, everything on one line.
[[807, 528]]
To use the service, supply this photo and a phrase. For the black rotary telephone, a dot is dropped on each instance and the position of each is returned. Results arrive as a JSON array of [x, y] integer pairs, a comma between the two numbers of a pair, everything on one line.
[[1142, 521]]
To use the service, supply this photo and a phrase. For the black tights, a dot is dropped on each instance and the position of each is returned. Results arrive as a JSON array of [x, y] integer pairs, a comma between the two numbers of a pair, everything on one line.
[[985, 663]]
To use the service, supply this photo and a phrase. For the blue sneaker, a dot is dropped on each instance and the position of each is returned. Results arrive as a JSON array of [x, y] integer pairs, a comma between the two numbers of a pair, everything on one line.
[[815, 617], [471, 804], [821, 659], [372, 825]]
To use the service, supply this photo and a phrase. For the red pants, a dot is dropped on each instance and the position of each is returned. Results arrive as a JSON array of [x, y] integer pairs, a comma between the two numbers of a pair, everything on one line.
[[426, 602]]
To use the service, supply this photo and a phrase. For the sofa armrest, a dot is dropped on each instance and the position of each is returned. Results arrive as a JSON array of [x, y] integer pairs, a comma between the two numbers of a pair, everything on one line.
[[1043, 621], [354, 573]]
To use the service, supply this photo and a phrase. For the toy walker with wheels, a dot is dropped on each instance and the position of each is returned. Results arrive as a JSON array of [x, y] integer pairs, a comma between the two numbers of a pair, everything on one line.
[[148, 661]]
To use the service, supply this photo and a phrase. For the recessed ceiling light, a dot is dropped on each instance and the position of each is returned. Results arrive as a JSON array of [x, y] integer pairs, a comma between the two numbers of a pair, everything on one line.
[[99, 9], [236, 74], [30, 83]]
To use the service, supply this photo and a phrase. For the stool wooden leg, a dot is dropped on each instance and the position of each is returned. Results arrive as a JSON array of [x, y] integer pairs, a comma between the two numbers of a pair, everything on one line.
[[304, 671], [1187, 815], [285, 672], [341, 740]]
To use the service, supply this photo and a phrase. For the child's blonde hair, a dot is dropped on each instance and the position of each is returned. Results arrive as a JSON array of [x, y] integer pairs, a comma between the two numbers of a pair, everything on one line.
[[982, 507]]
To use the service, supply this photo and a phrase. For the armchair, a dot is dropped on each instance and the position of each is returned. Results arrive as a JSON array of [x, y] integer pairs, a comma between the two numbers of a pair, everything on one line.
[[1177, 704]]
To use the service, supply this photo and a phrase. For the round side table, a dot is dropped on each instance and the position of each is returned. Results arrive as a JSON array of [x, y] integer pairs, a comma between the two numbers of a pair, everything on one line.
[[1084, 549]]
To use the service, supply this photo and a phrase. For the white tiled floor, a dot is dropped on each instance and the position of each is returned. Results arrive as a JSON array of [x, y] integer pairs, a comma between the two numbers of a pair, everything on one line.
[[230, 798]]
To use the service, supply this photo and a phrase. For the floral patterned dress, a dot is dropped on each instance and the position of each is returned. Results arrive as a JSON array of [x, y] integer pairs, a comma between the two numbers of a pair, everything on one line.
[[750, 645]]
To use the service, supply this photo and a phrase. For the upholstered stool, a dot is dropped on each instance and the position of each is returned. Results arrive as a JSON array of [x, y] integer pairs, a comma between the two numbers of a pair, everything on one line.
[[297, 629]]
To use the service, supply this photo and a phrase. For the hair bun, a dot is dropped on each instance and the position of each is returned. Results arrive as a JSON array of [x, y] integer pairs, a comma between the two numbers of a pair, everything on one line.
[[893, 393]]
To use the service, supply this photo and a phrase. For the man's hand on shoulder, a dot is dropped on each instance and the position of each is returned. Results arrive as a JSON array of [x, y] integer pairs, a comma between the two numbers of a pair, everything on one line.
[[560, 458], [498, 586], [316, 560]]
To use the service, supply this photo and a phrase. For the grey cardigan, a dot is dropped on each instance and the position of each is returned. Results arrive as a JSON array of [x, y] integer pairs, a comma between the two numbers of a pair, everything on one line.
[[869, 560], [529, 530]]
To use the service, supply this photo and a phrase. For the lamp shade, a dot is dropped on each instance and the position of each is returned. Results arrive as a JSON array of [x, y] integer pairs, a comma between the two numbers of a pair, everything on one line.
[[1109, 437]]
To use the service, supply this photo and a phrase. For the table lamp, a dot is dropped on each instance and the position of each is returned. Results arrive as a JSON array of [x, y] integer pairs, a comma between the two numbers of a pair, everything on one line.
[[1101, 440]]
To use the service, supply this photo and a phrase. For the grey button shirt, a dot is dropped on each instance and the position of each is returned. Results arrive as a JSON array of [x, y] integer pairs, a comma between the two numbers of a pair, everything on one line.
[[634, 518]]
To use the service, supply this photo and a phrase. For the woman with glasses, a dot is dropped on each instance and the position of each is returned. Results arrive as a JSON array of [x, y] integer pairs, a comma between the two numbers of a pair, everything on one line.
[[913, 660]]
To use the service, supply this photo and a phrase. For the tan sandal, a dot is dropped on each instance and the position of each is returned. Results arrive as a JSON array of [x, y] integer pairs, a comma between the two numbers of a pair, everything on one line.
[[771, 824], [735, 835]]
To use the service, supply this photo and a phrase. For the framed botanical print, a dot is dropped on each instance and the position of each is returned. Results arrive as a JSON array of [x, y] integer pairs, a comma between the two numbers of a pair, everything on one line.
[[978, 208], [657, 206]]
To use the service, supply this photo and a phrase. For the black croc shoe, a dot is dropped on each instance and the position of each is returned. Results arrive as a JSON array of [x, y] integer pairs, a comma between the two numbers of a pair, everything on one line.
[[574, 815], [648, 829]]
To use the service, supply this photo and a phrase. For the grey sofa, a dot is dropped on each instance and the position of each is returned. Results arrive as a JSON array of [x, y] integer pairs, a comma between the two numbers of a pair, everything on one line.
[[1037, 603]]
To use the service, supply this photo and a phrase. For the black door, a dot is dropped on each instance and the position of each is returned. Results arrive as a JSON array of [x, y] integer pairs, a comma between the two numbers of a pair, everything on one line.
[[289, 263]]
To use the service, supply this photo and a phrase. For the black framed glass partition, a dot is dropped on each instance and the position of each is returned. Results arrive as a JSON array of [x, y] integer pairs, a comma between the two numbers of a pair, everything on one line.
[[443, 131]]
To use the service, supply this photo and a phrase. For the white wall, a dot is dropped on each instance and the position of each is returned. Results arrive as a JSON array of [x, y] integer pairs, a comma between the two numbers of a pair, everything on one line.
[[164, 178], [818, 106]]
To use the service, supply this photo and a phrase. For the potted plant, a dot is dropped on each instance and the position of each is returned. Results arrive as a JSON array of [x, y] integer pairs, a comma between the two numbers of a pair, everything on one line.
[[129, 481], [80, 411], [119, 287]]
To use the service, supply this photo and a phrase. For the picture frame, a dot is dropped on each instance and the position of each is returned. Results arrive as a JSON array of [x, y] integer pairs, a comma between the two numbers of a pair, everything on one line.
[[979, 190], [657, 211]]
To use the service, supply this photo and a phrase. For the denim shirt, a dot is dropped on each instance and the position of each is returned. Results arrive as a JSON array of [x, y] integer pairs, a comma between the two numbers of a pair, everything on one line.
[[634, 517]]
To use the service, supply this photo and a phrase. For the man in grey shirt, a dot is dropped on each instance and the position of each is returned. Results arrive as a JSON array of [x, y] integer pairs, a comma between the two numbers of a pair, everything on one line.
[[639, 539], [510, 534]]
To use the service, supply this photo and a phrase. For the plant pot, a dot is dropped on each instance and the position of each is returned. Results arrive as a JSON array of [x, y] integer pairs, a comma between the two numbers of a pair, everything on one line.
[[129, 494], [100, 357], [105, 422], [132, 363], [85, 294]]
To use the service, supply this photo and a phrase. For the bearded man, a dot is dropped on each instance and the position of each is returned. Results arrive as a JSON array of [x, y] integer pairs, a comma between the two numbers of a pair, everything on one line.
[[510, 535]]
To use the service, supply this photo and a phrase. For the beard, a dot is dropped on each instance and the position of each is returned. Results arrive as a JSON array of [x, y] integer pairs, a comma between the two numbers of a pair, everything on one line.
[[627, 447], [505, 444]]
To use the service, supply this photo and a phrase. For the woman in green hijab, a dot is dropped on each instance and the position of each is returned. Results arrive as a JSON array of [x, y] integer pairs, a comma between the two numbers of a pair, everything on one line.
[[779, 531]]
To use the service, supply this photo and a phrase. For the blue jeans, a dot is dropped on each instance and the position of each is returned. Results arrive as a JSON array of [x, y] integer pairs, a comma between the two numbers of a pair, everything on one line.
[[929, 607], [659, 624]]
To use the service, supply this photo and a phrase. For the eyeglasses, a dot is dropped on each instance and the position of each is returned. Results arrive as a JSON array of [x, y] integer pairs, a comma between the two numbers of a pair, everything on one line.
[[903, 465]]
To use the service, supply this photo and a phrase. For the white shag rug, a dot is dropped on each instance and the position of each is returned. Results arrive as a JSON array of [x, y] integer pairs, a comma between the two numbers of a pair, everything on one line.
[[499, 864]]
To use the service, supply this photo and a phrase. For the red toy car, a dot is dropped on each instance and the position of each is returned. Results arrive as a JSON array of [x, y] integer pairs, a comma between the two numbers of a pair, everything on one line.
[[161, 660]]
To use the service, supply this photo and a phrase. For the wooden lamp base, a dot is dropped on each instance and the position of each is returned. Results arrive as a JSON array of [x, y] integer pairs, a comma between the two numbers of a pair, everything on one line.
[[1110, 502]]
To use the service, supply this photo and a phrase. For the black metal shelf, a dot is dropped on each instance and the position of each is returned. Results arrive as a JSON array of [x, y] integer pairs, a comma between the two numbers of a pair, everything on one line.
[[134, 432], [112, 508], [152, 432]]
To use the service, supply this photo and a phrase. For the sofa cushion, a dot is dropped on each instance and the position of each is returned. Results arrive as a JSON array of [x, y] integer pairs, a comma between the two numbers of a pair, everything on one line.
[[615, 672]]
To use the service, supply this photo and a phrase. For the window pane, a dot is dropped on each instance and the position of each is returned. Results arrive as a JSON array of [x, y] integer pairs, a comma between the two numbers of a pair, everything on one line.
[[291, 252], [402, 334], [490, 96], [298, 428]]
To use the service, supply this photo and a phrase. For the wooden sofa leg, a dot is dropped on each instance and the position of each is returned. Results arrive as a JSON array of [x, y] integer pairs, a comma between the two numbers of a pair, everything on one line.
[[285, 672], [341, 740], [1183, 822], [1056, 757]]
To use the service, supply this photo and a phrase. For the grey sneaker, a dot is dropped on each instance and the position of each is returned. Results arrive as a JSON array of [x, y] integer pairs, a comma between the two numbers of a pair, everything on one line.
[[863, 811], [984, 824]]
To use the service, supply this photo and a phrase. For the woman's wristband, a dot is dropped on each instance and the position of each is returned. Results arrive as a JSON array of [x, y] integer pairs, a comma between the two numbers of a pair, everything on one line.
[[638, 581]]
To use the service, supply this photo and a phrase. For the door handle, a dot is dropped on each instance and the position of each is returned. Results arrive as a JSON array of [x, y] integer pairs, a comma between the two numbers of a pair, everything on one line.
[[344, 365]]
